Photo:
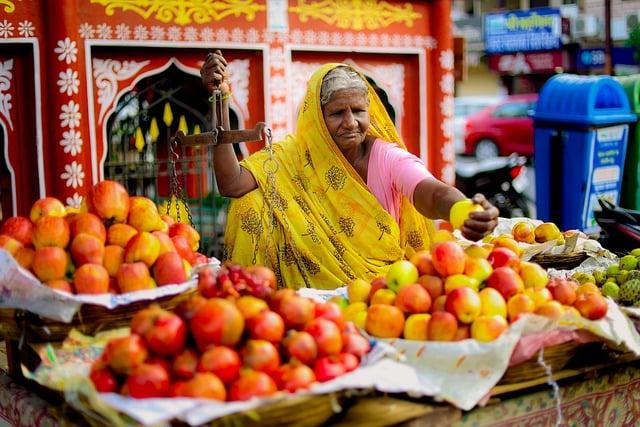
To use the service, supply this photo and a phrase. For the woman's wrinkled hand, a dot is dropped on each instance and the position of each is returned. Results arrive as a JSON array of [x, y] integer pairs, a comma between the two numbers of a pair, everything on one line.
[[480, 223], [215, 74]]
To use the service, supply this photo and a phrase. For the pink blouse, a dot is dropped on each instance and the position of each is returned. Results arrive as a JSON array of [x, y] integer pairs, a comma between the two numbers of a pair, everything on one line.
[[393, 172]]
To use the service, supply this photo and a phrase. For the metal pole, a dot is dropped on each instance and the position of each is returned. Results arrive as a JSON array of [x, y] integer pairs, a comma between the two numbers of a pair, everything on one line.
[[608, 63]]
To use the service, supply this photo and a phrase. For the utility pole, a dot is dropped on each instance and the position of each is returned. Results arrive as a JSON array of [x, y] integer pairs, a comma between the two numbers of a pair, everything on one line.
[[608, 62]]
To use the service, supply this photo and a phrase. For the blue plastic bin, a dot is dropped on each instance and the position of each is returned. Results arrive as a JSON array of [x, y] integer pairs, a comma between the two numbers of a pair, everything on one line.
[[580, 132]]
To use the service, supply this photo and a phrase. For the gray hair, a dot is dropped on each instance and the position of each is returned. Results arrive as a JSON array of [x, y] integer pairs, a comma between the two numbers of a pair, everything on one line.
[[340, 78]]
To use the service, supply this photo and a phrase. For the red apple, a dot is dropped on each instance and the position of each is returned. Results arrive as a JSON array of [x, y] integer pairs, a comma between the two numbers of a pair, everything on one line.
[[464, 303], [506, 281], [18, 227]]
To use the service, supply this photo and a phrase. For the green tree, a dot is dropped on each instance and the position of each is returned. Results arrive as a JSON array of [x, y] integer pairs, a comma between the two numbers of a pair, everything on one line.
[[634, 41]]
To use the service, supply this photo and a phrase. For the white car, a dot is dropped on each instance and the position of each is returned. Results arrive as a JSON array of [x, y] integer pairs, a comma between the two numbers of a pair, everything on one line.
[[464, 106]]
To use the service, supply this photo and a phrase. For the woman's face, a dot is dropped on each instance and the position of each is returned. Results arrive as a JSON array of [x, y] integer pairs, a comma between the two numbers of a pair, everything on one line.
[[347, 117]]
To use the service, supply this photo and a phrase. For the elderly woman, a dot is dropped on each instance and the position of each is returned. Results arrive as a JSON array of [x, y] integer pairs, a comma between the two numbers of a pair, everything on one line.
[[339, 199]]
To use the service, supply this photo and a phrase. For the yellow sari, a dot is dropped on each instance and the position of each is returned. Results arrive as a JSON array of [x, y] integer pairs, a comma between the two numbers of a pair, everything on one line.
[[327, 227]]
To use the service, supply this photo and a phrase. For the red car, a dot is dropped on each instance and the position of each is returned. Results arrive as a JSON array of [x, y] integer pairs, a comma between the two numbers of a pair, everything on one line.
[[502, 129]]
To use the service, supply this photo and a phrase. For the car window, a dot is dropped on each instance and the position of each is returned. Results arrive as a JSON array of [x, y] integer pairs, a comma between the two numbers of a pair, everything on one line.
[[512, 109]]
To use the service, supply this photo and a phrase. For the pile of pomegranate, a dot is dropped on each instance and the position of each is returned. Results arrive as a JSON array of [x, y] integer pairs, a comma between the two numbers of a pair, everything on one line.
[[237, 339]]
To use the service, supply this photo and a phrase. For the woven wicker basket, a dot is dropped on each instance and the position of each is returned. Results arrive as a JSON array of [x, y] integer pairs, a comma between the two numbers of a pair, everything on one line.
[[310, 410], [555, 357], [560, 261], [22, 325]]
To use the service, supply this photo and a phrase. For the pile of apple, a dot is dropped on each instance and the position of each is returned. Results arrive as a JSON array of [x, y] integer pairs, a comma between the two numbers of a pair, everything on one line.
[[451, 293], [113, 243], [232, 348]]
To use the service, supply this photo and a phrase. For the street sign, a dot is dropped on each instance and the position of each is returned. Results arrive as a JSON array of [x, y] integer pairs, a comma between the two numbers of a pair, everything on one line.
[[523, 30]]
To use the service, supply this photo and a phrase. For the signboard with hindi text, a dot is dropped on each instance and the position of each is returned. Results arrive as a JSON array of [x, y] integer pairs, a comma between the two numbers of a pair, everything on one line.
[[523, 30]]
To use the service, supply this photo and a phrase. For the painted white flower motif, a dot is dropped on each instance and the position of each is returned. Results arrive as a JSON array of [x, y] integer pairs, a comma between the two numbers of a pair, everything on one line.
[[86, 31], [69, 81], [396, 40], [447, 127], [70, 115], [6, 29], [191, 34], [448, 152], [140, 32], [123, 32], [310, 37], [447, 83], [206, 34], [374, 39], [222, 34], [26, 28], [278, 86], [361, 39], [349, 38], [296, 36], [67, 50], [336, 37], [283, 37], [174, 33], [279, 111], [157, 33], [448, 173], [446, 59], [324, 38], [277, 58], [253, 36], [71, 142], [447, 106], [430, 42], [73, 175], [104, 31], [237, 35], [385, 40], [407, 40], [74, 201]]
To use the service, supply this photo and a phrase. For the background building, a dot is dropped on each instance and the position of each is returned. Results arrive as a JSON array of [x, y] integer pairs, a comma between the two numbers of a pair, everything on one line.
[[581, 50]]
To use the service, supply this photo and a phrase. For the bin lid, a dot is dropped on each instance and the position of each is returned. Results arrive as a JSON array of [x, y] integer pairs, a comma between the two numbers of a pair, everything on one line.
[[583, 101], [631, 85]]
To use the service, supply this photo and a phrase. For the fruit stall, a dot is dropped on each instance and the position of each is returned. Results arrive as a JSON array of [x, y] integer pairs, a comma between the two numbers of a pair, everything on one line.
[[112, 315], [113, 310]]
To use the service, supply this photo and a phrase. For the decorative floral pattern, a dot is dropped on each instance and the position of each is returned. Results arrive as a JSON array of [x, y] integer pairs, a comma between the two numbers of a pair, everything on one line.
[[372, 14], [70, 115], [6, 29], [252, 36], [68, 81], [239, 70], [73, 175], [5, 84], [140, 32], [107, 73], [72, 142], [123, 32], [104, 31], [74, 201], [446, 59], [26, 29], [609, 399], [67, 51], [86, 31], [183, 12]]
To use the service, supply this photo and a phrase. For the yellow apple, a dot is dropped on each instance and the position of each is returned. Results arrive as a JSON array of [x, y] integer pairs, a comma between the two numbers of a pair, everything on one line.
[[487, 328], [460, 212], [416, 326], [492, 303]]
